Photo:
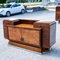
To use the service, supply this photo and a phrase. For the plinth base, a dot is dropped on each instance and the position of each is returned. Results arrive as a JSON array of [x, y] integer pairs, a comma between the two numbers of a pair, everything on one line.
[[29, 47]]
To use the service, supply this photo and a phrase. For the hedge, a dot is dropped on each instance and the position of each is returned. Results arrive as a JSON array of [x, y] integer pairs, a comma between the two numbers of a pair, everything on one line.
[[2, 1]]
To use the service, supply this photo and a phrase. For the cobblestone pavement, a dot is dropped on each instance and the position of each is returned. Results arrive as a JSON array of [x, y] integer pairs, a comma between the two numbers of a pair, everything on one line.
[[9, 52]]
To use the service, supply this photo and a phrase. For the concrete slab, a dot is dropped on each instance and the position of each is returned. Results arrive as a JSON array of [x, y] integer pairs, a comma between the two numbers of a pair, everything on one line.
[[9, 52]]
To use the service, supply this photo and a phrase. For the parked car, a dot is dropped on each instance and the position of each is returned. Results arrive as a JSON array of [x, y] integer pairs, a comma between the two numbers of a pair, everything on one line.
[[12, 8]]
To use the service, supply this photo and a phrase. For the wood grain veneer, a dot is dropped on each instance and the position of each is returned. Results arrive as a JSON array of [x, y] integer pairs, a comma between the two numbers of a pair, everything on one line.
[[30, 34], [57, 15]]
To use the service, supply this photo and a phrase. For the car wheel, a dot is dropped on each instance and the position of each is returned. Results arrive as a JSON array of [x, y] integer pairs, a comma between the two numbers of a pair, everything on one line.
[[22, 11], [8, 14]]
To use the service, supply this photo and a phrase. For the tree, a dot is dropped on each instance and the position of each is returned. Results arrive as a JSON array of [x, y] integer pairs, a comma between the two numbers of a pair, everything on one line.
[[2, 1], [18, 1], [23, 1]]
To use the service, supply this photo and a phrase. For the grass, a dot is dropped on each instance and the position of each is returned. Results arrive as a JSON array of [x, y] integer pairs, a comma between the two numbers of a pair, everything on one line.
[[25, 4], [28, 4], [32, 4]]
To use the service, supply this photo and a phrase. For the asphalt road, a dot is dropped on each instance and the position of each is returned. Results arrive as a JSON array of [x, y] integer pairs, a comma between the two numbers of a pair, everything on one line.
[[32, 15], [9, 52]]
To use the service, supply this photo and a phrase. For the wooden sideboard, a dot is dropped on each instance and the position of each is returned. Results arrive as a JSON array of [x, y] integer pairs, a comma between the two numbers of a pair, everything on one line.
[[35, 35], [58, 13]]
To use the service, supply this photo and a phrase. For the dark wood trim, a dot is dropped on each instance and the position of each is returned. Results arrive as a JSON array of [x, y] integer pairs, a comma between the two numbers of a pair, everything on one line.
[[24, 27], [20, 42], [36, 49]]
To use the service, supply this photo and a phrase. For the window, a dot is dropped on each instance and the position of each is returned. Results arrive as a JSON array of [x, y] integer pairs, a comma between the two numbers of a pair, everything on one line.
[[15, 5], [7, 6], [18, 5]]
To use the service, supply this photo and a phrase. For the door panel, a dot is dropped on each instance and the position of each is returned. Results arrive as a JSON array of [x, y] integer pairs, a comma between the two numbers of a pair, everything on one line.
[[27, 36], [31, 37], [12, 10], [14, 34], [18, 9]]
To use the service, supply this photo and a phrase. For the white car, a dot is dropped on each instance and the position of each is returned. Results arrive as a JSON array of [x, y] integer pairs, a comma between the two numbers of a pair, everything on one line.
[[12, 8]]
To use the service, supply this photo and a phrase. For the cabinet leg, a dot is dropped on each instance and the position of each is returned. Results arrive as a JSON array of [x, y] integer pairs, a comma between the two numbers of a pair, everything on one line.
[[45, 49]]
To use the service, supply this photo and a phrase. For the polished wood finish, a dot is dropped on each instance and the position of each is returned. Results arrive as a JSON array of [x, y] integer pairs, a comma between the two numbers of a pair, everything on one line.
[[30, 34], [29, 47], [25, 35], [26, 46], [58, 13], [14, 22], [48, 32]]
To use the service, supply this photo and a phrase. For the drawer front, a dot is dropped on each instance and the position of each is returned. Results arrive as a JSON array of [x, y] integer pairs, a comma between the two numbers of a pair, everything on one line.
[[31, 37], [14, 33]]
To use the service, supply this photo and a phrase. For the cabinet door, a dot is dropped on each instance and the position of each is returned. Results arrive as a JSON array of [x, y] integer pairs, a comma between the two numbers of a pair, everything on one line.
[[31, 37], [14, 34]]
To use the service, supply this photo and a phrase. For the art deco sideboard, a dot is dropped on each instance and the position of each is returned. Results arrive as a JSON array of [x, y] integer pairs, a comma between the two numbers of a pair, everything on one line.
[[58, 13], [35, 35]]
